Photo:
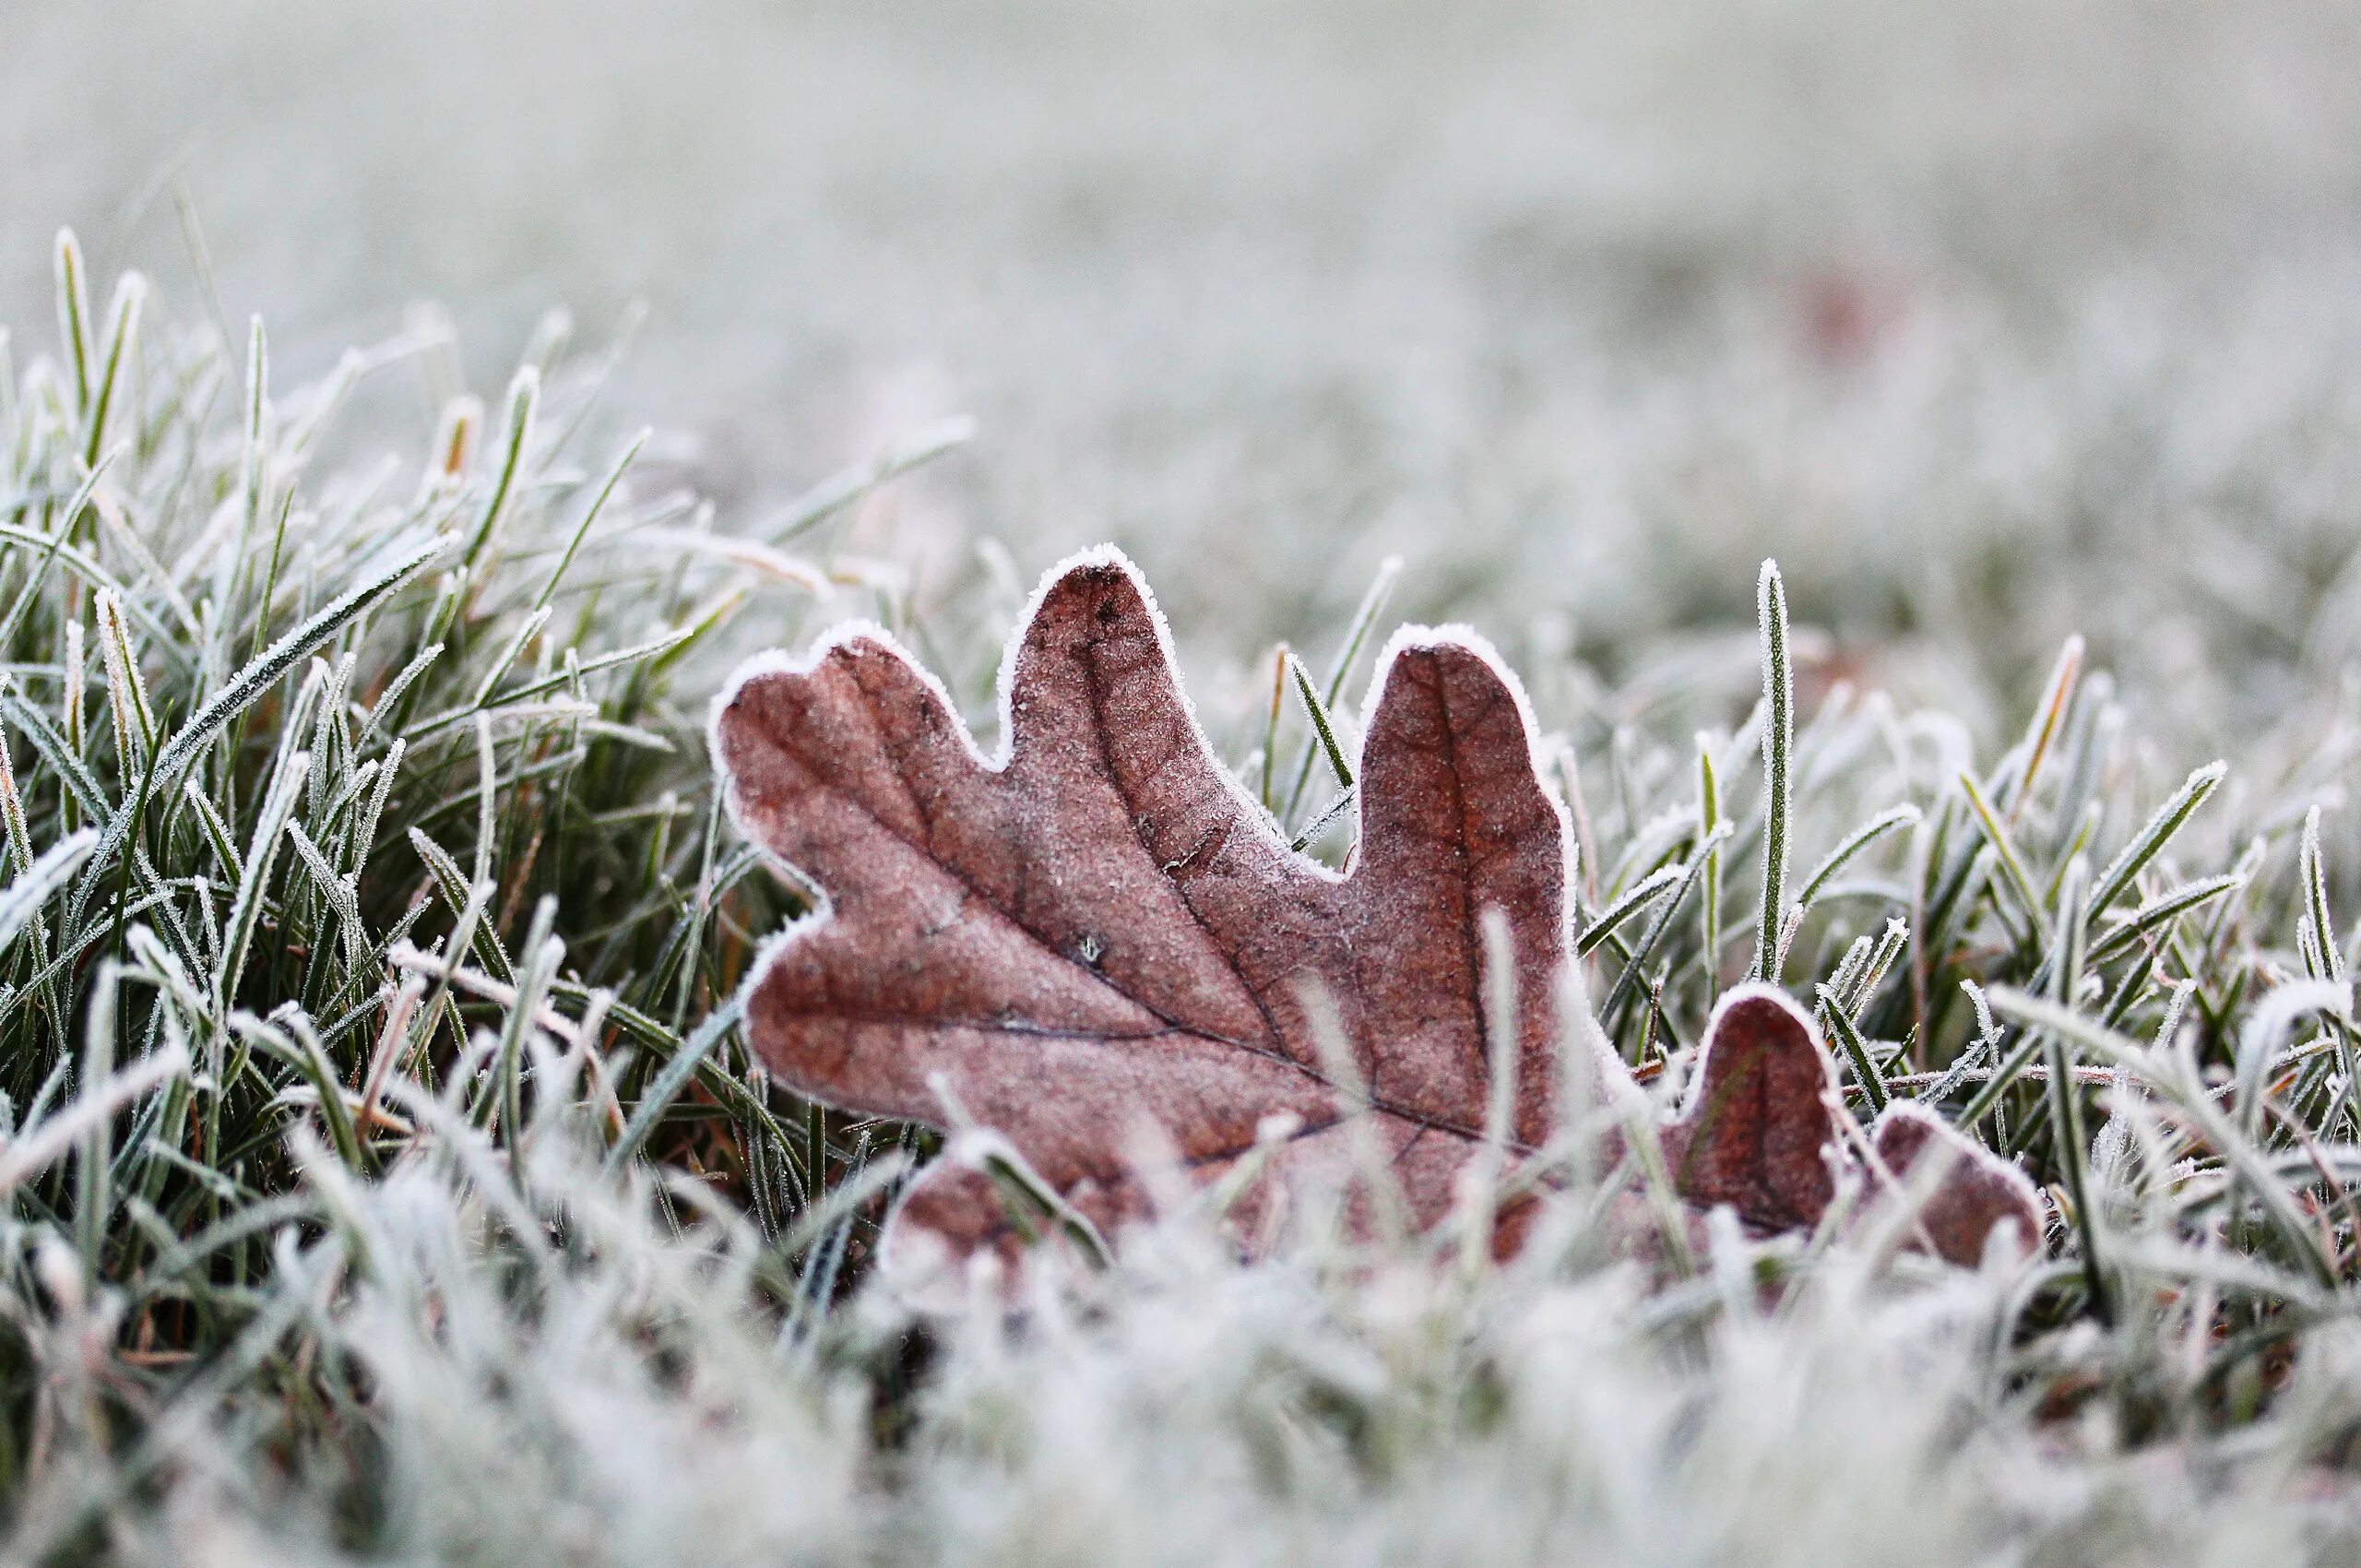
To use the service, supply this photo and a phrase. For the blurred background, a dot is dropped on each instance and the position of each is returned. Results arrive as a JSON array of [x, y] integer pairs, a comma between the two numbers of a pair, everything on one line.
[[1993, 319]]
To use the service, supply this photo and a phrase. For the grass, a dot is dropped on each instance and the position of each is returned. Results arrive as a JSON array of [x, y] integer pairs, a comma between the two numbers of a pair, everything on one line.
[[1582, 309], [386, 1179]]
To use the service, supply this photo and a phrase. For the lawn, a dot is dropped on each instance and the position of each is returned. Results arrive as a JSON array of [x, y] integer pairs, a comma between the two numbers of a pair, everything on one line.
[[389, 1172]]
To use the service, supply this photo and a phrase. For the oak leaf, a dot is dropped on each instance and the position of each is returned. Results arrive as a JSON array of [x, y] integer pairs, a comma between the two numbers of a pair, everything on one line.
[[1100, 928], [1764, 1131]]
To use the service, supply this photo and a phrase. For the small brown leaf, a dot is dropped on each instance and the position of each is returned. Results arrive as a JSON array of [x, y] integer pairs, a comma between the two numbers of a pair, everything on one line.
[[1760, 1134], [1976, 1196], [1100, 928], [1757, 1134]]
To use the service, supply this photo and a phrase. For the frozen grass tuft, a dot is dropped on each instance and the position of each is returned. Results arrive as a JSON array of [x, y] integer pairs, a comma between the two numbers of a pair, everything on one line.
[[386, 1179]]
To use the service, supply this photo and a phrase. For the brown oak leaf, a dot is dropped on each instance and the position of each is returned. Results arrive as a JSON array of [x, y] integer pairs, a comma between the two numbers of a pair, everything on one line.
[[1100, 928], [1762, 1131]]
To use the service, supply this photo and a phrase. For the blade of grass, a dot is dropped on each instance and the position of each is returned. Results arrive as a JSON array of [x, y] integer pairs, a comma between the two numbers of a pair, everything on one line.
[[1778, 741]]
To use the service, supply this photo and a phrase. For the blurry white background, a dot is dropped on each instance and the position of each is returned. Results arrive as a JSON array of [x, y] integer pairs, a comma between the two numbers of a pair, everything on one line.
[[1993, 318]]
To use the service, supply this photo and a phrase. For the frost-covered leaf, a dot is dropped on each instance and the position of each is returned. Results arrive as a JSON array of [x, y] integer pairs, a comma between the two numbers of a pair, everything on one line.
[[1100, 928]]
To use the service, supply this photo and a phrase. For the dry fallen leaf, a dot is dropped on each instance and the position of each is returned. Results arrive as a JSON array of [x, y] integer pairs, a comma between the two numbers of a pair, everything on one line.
[[1761, 1131], [1102, 928]]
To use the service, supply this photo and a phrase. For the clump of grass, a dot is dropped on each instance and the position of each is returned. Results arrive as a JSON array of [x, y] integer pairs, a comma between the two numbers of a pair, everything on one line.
[[338, 796], [386, 1179]]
